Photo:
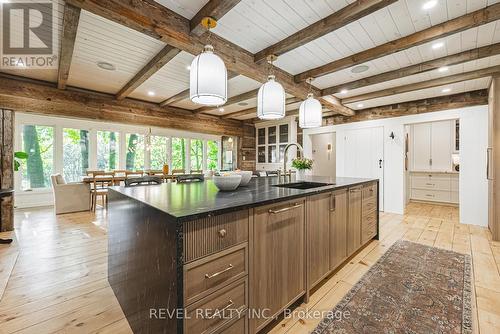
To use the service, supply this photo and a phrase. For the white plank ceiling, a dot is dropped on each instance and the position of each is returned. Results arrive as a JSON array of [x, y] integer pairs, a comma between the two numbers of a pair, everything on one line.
[[257, 24]]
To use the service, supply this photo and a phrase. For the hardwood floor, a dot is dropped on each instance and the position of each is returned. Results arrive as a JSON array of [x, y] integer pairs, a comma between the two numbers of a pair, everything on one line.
[[53, 277]]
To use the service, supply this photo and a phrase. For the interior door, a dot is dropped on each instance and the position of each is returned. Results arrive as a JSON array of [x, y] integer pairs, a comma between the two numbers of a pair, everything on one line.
[[441, 145], [364, 156]]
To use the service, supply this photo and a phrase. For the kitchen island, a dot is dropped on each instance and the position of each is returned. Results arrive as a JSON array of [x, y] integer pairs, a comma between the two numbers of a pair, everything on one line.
[[187, 258]]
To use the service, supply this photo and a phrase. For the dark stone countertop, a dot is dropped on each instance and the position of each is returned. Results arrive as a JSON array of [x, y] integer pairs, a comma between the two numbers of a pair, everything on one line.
[[189, 201]]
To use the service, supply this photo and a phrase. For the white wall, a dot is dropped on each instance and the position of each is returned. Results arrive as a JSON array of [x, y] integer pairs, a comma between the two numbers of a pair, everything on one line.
[[473, 141]]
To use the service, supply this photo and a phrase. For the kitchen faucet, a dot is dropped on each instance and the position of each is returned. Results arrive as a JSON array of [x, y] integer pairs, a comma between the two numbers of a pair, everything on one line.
[[301, 151]]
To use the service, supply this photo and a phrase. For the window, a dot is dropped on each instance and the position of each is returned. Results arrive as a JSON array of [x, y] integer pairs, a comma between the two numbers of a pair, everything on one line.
[[212, 155], [178, 153], [196, 155], [38, 142], [158, 151], [75, 154], [135, 151], [107, 150]]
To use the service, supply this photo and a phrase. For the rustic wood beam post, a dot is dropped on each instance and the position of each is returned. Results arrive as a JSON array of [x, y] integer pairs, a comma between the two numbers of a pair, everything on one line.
[[71, 19], [446, 80], [454, 59], [154, 65], [468, 21], [215, 9], [340, 18], [6, 170]]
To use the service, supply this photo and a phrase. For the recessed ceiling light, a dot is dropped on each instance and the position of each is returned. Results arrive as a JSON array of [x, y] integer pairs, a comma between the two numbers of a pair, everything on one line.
[[437, 45], [106, 66], [443, 69], [151, 93], [221, 109], [360, 105], [360, 69], [429, 4], [343, 91], [446, 90], [243, 104]]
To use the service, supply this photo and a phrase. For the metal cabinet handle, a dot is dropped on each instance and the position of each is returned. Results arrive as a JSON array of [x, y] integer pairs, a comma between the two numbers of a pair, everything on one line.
[[230, 303], [430, 184], [333, 203], [296, 205], [220, 272], [488, 163], [429, 195]]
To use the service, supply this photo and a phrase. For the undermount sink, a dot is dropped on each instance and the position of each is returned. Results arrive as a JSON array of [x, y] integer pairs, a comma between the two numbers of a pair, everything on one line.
[[302, 185]]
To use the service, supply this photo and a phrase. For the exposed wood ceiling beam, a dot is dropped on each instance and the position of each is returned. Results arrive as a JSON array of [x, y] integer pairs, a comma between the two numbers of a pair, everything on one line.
[[156, 21], [450, 79], [213, 8], [71, 18], [342, 17], [253, 110], [455, 101], [471, 20], [154, 65], [458, 58], [27, 95], [232, 100], [185, 93]]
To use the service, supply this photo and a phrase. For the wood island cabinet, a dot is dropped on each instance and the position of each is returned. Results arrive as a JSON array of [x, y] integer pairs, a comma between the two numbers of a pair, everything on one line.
[[354, 220], [338, 228], [278, 257], [318, 234]]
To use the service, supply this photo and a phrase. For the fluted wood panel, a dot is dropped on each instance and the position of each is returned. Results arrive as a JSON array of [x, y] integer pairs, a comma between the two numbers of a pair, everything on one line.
[[206, 236]]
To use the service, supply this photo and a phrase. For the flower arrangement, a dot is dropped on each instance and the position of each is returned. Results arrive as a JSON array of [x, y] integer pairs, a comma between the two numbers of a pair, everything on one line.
[[302, 163]]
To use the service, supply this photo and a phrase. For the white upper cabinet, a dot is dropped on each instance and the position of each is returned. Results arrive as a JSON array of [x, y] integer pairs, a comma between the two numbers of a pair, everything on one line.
[[421, 144], [432, 146]]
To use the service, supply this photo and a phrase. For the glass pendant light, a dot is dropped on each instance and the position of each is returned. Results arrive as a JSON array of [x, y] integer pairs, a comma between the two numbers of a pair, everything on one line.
[[310, 111], [208, 74], [271, 97]]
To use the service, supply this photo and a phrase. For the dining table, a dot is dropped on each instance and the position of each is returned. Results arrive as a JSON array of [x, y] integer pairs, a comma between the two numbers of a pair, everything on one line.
[[117, 179]]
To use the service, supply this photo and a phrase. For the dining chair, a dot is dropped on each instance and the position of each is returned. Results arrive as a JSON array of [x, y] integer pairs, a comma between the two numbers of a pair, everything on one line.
[[143, 180], [101, 182], [178, 171], [131, 174], [196, 171], [190, 178]]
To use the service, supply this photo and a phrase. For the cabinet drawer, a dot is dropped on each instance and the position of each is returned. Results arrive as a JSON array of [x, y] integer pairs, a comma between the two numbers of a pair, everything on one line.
[[430, 195], [210, 235], [239, 327], [454, 197], [205, 276], [454, 183], [370, 192], [368, 232], [369, 218], [432, 182], [217, 309]]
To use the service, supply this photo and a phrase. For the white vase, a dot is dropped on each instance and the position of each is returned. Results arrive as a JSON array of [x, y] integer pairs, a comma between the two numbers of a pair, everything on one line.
[[301, 174]]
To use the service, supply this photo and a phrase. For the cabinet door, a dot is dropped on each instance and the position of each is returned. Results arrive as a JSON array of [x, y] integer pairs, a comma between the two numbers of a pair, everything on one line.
[[338, 229], [441, 145], [354, 221], [278, 257], [318, 236], [421, 147]]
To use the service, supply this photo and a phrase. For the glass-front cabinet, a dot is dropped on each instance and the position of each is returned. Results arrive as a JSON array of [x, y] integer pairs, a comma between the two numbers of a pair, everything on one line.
[[271, 142]]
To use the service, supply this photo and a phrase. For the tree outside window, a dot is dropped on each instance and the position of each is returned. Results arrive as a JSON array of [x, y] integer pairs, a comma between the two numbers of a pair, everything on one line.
[[38, 142], [75, 154], [212, 155], [107, 150], [196, 155], [135, 151], [158, 151], [178, 153]]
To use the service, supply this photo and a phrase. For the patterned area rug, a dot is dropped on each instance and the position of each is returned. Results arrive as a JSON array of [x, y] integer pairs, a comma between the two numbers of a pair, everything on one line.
[[412, 288]]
